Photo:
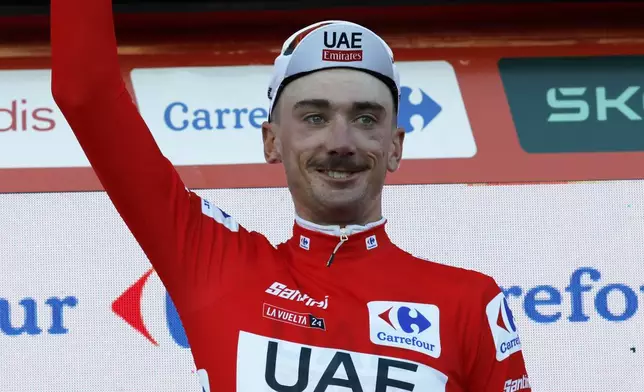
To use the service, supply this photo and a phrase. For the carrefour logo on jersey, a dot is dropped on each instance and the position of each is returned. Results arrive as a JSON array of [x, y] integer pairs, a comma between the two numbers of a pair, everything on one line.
[[503, 327], [405, 325]]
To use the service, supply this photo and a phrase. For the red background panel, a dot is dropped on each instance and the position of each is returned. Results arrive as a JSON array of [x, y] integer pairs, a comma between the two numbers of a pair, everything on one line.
[[471, 38]]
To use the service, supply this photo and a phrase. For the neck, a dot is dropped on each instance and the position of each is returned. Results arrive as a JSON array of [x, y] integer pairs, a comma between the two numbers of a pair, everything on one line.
[[362, 216]]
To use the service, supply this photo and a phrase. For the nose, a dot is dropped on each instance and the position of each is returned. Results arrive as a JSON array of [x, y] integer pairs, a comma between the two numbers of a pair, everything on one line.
[[340, 139]]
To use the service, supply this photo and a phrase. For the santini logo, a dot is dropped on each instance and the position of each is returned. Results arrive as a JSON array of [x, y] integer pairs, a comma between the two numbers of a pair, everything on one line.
[[405, 325], [516, 385], [280, 290]]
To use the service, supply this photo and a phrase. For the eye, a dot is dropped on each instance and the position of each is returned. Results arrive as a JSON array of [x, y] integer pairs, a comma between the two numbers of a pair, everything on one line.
[[315, 119], [366, 120]]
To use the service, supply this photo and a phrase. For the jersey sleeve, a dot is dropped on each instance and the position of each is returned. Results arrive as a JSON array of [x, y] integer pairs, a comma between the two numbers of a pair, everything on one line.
[[185, 238], [497, 363]]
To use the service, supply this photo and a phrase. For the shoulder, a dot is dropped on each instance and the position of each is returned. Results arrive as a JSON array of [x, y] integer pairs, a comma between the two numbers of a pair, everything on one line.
[[469, 301], [457, 281], [217, 214], [216, 222]]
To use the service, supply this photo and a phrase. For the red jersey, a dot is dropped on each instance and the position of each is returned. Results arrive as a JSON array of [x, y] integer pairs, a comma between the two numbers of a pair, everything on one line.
[[265, 318]]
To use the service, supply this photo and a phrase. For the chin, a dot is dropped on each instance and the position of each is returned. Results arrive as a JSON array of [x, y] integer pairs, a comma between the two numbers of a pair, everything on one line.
[[345, 201]]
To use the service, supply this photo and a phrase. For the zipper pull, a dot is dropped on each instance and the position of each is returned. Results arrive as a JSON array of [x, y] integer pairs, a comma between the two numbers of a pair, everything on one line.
[[343, 239]]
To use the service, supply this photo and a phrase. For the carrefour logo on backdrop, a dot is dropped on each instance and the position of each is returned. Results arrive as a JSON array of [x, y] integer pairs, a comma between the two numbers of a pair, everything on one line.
[[427, 109], [137, 307], [544, 303], [432, 112], [213, 115], [205, 115], [178, 116], [32, 316]]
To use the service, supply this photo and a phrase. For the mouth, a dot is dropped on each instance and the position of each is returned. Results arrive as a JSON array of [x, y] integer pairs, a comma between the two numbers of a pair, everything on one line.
[[339, 175]]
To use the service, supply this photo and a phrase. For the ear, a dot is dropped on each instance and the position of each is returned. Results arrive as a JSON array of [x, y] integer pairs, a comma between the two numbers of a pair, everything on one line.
[[272, 147], [395, 155]]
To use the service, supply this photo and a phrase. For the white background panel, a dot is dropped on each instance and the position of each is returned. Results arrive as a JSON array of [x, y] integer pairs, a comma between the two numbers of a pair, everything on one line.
[[75, 245]]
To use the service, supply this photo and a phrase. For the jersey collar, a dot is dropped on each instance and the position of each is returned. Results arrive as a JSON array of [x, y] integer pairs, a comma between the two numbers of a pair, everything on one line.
[[335, 244], [336, 230]]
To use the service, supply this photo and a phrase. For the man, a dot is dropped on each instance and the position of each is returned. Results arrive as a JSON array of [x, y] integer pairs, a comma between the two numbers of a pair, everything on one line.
[[338, 306]]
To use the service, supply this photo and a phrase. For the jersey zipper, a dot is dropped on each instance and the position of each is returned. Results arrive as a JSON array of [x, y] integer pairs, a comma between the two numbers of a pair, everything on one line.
[[343, 238]]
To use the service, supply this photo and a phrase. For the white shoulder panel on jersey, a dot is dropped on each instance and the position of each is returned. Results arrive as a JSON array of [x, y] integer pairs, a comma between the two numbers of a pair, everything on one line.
[[503, 327], [203, 380], [218, 215]]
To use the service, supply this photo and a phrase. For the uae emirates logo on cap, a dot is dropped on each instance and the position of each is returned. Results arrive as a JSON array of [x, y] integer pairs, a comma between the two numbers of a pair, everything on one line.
[[299, 37], [342, 46]]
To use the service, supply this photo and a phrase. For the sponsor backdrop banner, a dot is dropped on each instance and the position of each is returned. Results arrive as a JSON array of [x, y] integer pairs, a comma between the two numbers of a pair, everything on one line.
[[483, 116], [33, 132], [576, 104], [81, 310], [196, 122]]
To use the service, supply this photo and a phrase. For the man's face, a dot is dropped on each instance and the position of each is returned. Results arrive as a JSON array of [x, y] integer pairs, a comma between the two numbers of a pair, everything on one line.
[[335, 133]]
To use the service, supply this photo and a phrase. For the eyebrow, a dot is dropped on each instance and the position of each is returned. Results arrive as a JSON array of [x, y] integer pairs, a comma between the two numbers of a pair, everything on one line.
[[316, 103], [368, 106], [358, 106]]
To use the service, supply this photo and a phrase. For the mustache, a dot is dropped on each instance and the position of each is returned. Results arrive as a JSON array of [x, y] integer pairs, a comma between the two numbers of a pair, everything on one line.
[[340, 163]]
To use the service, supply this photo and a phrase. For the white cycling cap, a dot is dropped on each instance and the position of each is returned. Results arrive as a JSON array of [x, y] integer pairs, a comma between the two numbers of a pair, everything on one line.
[[333, 44]]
